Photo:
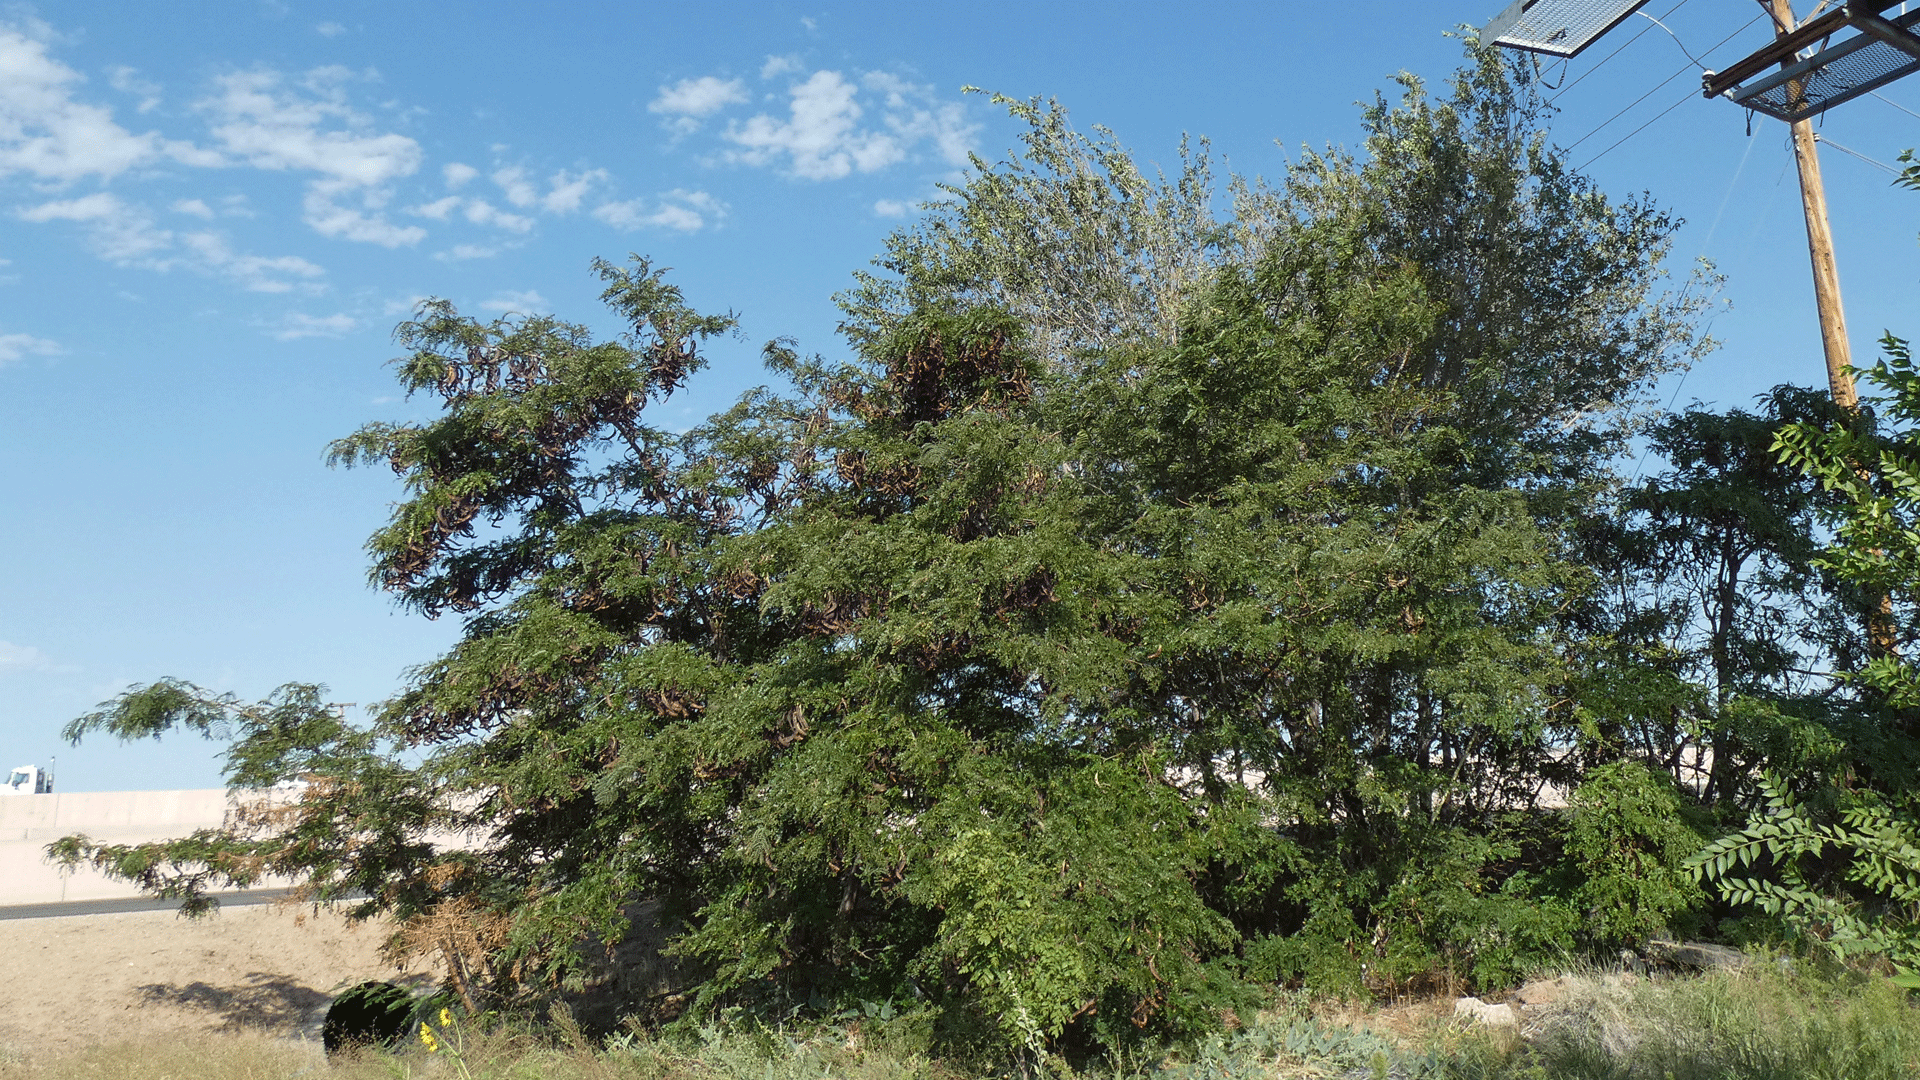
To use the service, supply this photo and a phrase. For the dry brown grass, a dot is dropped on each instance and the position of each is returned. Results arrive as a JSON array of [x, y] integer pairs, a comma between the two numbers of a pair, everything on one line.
[[239, 1056]]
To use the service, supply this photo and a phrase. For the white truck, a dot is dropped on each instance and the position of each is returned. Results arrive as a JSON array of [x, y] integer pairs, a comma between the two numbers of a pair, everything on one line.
[[28, 780]]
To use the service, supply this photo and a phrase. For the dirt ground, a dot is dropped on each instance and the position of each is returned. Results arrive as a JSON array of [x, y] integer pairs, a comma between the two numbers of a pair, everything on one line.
[[92, 979]]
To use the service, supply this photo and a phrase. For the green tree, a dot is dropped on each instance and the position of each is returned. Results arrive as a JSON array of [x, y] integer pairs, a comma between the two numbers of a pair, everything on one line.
[[1716, 579], [1094, 638]]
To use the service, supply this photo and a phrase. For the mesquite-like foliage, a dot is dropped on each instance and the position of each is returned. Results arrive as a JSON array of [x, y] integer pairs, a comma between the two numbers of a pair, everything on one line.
[[1063, 667]]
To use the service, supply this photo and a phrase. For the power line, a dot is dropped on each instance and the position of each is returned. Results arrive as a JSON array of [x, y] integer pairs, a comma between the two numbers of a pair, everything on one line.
[[1881, 165], [1614, 53], [1683, 70], [1635, 131], [1895, 104], [1630, 105], [1675, 37]]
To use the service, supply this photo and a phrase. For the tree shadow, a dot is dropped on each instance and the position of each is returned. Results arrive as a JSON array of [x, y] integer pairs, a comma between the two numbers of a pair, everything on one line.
[[275, 1004]]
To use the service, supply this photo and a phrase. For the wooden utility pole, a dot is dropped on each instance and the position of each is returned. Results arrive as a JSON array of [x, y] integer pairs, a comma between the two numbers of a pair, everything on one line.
[[1826, 274], [1882, 636]]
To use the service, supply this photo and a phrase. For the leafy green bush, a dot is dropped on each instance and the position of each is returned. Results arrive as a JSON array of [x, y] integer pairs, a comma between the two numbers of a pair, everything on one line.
[[1627, 838], [1868, 903]]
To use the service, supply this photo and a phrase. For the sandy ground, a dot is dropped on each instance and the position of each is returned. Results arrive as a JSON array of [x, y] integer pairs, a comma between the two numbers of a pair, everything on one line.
[[92, 979]]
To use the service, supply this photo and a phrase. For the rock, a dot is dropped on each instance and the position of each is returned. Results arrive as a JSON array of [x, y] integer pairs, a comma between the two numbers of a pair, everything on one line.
[[1697, 954], [1491, 1015], [1541, 992]]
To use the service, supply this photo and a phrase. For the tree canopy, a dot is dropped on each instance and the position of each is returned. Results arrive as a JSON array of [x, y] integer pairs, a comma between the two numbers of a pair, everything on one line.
[[1150, 606]]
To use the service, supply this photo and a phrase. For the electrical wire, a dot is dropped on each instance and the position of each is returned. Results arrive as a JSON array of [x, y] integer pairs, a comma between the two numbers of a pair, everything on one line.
[[1881, 165], [1623, 48], [1683, 70], [1895, 104], [1629, 108], [1674, 36], [1582, 166], [1725, 200]]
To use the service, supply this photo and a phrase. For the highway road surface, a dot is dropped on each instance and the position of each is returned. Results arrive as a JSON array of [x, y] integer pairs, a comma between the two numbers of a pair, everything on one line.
[[53, 910]]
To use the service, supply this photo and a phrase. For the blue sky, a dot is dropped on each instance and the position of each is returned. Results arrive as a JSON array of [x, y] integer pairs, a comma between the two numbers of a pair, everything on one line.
[[211, 216]]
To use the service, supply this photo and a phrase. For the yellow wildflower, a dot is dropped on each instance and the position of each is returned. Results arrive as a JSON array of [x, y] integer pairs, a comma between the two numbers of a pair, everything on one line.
[[427, 1040], [446, 1018]]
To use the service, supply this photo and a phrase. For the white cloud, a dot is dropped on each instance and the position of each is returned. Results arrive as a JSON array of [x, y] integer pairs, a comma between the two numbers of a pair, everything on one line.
[[779, 65], [914, 114], [296, 325], [409, 306], [821, 138], [22, 658], [808, 23], [692, 99], [27, 658], [260, 120], [679, 209], [196, 207], [128, 81], [513, 183], [439, 209], [14, 347], [465, 252], [524, 302], [482, 212], [892, 208], [330, 29], [565, 190], [478, 211], [255, 273], [125, 235], [457, 175], [50, 136], [119, 233], [330, 219]]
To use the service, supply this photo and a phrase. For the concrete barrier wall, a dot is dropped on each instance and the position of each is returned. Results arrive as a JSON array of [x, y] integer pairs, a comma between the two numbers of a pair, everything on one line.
[[28, 823]]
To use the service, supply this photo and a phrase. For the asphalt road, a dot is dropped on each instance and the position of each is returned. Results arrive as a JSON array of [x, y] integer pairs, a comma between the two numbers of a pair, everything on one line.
[[242, 898]]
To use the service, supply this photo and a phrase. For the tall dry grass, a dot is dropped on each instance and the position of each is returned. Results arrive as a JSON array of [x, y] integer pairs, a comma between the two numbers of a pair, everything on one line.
[[1764, 1023]]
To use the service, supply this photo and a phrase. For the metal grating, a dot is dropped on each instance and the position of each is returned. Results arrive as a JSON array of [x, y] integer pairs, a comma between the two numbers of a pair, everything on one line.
[[1832, 76], [1556, 27]]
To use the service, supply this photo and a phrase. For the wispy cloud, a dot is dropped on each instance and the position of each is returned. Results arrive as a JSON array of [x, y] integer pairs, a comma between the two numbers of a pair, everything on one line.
[[27, 658], [296, 325], [259, 117], [469, 252], [18, 346], [564, 190], [686, 103], [125, 235], [128, 81], [523, 302], [563, 194], [679, 209]]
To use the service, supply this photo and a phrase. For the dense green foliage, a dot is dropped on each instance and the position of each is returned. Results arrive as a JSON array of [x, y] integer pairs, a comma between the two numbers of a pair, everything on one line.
[[1151, 606]]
